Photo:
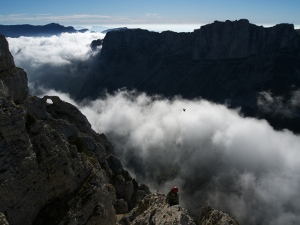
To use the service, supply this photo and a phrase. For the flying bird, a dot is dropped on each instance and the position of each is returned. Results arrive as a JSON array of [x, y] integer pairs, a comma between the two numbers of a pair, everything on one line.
[[184, 110]]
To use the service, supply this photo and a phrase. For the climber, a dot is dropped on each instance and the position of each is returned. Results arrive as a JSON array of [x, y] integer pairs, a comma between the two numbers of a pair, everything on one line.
[[173, 197]]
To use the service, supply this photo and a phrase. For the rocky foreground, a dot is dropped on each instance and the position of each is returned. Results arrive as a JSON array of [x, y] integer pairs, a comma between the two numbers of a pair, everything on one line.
[[54, 169]]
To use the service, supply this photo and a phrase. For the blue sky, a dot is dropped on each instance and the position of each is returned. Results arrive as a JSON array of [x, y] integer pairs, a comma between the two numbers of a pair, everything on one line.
[[97, 12]]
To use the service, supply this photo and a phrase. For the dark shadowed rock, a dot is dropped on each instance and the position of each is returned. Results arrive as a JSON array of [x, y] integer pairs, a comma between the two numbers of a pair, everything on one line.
[[95, 44], [13, 79], [153, 210], [226, 62], [6, 59], [51, 160], [114, 29]]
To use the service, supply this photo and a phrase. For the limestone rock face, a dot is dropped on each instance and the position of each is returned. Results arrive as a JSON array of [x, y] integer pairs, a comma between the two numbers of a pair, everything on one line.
[[153, 210], [210, 216]]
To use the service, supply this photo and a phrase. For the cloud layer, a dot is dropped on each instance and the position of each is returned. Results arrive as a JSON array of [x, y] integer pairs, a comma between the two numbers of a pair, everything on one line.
[[214, 154], [287, 107], [59, 62], [239, 165]]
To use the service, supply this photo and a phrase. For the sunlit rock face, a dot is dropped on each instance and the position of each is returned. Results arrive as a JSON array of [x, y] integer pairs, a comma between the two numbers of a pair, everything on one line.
[[228, 62]]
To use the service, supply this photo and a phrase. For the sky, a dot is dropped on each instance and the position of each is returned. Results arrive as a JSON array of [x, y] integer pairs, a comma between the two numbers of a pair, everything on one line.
[[101, 12]]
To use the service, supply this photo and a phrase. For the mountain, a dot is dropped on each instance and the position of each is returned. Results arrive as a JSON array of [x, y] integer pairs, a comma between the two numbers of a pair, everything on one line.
[[233, 62], [39, 30], [54, 169]]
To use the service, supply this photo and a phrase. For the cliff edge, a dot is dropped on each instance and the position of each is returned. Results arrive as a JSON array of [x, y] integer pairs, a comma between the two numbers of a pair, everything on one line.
[[54, 169]]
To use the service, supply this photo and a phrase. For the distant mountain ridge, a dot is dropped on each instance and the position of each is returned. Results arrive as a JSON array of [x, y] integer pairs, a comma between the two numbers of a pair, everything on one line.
[[36, 30], [225, 62]]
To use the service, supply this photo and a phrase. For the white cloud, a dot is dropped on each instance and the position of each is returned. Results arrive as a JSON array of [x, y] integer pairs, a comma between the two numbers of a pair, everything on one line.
[[40, 19], [153, 15], [58, 62], [58, 50], [91, 19], [240, 165]]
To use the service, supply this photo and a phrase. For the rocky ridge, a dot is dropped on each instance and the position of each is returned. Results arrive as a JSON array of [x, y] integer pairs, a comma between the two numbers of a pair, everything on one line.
[[210, 216], [153, 210], [54, 169], [36, 30], [228, 62]]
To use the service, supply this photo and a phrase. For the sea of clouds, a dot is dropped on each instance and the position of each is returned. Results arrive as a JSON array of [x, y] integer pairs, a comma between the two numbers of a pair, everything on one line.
[[60, 61], [212, 153]]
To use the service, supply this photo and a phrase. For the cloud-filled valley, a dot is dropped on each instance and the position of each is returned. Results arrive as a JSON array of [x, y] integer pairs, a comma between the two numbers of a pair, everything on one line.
[[61, 62], [213, 153]]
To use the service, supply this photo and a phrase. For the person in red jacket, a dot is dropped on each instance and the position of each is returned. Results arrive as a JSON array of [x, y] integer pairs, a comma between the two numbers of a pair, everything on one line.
[[173, 197]]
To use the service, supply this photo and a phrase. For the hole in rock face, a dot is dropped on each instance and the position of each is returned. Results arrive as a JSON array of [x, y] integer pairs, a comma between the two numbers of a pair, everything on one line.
[[49, 101]]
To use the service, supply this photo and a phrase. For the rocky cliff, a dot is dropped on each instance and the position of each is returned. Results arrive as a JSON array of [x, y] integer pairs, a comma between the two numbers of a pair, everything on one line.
[[231, 61], [54, 169]]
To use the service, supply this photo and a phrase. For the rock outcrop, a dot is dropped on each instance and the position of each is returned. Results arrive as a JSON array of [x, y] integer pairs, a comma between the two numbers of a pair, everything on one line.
[[231, 61], [153, 210], [54, 169], [210, 216]]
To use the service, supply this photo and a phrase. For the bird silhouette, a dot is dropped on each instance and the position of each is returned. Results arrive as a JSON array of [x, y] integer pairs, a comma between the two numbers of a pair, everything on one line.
[[184, 110]]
